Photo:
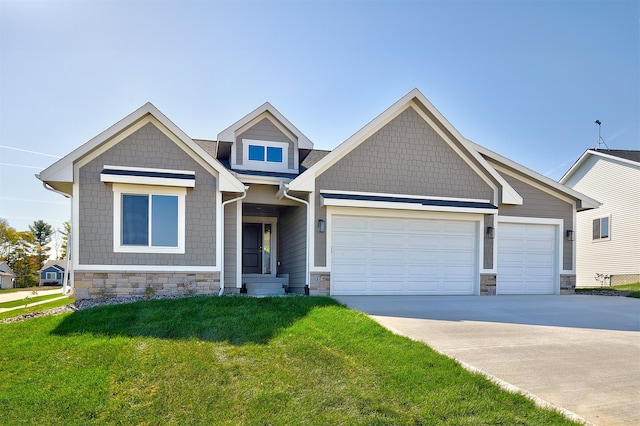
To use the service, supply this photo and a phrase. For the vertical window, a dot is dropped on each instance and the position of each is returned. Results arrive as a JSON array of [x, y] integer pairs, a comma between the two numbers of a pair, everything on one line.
[[601, 228], [135, 220]]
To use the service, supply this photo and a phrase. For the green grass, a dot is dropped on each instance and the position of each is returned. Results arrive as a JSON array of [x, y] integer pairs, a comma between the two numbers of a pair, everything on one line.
[[31, 299], [36, 308], [632, 289], [236, 360]]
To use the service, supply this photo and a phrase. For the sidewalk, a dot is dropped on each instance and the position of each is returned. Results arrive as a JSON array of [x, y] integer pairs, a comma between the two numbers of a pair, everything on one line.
[[21, 295]]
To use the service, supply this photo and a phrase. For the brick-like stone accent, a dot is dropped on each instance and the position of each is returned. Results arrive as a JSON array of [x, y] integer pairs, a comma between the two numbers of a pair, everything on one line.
[[487, 284], [567, 284], [91, 285], [625, 279], [320, 284]]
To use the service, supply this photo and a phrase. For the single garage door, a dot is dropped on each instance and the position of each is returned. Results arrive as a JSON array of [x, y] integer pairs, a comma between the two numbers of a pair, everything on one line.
[[376, 255], [527, 257]]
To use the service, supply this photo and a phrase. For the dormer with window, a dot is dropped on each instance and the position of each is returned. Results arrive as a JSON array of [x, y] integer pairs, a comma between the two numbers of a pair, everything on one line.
[[265, 141]]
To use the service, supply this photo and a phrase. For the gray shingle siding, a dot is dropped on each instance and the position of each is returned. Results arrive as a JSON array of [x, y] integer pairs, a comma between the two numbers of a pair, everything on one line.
[[264, 130], [406, 156], [538, 203], [147, 147]]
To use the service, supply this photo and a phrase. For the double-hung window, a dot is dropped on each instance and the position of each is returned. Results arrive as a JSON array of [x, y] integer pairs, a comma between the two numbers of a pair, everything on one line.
[[149, 219], [51, 276], [601, 229]]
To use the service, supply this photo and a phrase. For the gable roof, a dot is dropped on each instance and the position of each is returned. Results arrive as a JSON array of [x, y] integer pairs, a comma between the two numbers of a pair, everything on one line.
[[229, 134], [55, 264], [630, 157], [585, 202], [60, 174], [5, 269], [414, 98]]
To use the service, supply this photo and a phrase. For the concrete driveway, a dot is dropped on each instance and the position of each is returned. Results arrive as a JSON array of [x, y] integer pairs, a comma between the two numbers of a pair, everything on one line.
[[579, 353]]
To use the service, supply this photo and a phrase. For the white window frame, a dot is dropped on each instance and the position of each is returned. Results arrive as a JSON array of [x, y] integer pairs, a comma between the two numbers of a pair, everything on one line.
[[119, 190], [50, 275], [599, 218], [282, 166]]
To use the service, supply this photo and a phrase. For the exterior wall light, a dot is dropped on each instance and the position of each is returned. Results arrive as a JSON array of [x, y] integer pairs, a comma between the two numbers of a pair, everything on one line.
[[321, 226], [570, 235], [491, 232]]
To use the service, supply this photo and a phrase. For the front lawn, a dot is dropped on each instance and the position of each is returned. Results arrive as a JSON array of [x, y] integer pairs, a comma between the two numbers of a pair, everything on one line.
[[629, 290], [237, 360], [29, 299]]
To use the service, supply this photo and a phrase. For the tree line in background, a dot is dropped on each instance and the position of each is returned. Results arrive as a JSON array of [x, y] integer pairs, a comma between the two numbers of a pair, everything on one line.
[[27, 251]]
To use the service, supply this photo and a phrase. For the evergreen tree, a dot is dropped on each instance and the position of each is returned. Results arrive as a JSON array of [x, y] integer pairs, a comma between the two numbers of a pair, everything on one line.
[[42, 232]]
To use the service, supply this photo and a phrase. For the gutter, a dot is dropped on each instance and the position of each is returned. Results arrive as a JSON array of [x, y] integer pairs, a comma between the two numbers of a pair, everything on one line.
[[224, 203], [282, 192], [65, 280]]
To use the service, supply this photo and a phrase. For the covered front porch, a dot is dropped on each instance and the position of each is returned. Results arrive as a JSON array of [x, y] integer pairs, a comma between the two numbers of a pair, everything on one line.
[[265, 248]]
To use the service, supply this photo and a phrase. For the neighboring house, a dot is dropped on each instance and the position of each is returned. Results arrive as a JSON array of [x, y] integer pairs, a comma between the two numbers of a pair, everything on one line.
[[52, 273], [406, 205], [608, 238], [7, 277]]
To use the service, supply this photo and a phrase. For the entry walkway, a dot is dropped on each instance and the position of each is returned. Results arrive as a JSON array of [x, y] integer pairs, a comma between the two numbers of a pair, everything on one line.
[[576, 352]]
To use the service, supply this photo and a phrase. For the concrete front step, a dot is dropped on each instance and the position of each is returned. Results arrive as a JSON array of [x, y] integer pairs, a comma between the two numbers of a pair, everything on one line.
[[265, 288]]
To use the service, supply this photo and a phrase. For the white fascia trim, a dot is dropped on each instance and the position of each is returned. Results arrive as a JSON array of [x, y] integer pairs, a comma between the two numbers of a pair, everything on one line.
[[306, 181], [293, 138], [147, 180], [528, 180], [587, 202], [589, 153], [229, 134], [390, 205], [507, 190], [262, 180], [62, 170], [419, 197], [146, 268]]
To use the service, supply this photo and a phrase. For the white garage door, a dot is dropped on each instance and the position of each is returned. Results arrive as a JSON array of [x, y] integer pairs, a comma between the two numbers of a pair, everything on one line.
[[374, 255], [527, 257]]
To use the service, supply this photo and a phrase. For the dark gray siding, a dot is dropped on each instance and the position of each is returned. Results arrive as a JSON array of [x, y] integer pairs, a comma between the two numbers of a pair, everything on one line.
[[406, 156], [538, 203], [148, 147], [264, 130], [292, 240]]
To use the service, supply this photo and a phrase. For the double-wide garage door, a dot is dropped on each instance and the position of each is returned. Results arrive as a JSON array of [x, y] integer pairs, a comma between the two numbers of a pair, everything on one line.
[[527, 257], [376, 255]]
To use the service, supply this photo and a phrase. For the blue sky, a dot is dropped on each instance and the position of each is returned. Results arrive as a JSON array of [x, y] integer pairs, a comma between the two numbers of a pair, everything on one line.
[[526, 79]]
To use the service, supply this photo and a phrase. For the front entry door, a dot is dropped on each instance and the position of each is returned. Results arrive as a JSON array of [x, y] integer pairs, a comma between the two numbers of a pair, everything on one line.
[[252, 248]]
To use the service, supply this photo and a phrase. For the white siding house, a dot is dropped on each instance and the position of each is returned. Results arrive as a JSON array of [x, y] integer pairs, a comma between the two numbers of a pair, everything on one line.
[[607, 238]]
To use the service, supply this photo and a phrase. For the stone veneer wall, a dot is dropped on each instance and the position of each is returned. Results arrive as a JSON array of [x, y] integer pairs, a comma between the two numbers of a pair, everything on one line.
[[91, 285], [567, 284], [487, 284], [320, 284]]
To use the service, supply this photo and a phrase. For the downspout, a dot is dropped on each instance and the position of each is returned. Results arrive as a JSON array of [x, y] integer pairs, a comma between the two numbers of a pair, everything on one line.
[[67, 271], [283, 190], [224, 203]]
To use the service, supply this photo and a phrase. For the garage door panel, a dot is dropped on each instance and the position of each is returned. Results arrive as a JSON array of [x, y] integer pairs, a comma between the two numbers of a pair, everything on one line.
[[527, 259], [405, 256]]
